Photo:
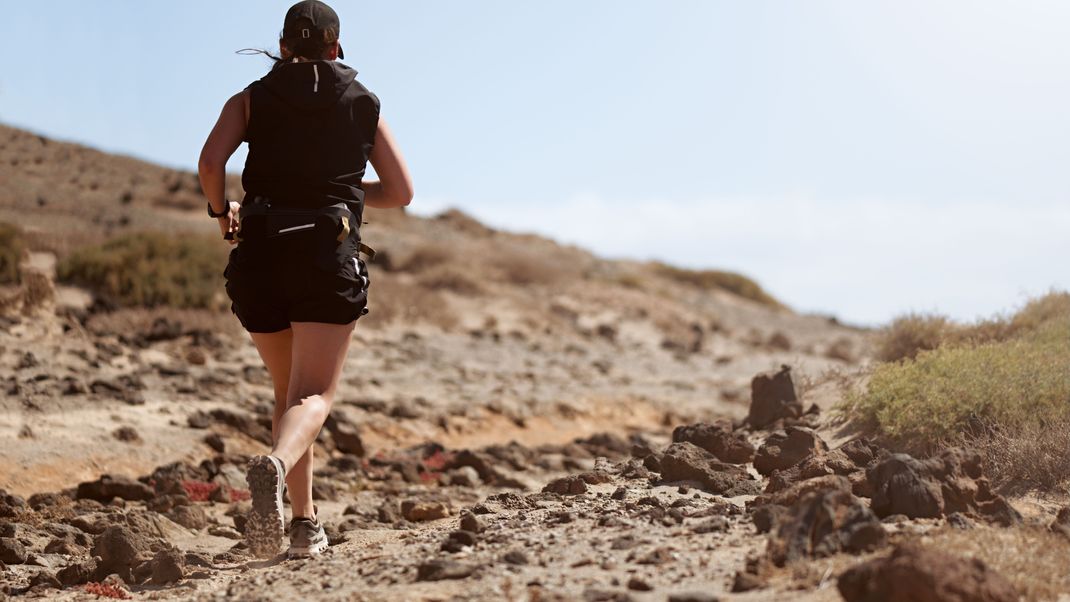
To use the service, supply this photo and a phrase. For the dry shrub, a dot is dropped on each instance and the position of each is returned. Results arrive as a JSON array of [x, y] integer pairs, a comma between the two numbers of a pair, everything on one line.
[[908, 335], [427, 256], [451, 279], [151, 269], [1000, 385], [737, 284], [524, 268], [463, 222], [37, 290], [1031, 456], [12, 252], [139, 321], [392, 300], [1030, 557]]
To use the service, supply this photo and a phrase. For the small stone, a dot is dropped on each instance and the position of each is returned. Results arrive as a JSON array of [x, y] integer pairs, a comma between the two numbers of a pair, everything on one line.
[[215, 441], [439, 570], [639, 585], [516, 557], [472, 523], [423, 511]]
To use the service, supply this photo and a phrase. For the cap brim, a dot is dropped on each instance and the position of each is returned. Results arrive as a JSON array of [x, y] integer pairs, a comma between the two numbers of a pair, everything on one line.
[[341, 54]]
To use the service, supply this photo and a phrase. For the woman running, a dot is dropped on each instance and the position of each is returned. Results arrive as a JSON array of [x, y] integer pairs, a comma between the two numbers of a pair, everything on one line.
[[311, 128]]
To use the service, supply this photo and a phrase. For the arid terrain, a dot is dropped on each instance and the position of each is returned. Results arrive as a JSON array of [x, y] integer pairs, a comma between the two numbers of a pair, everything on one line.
[[517, 420]]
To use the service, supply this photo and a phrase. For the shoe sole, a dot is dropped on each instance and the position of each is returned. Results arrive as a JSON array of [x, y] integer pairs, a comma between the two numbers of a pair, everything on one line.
[[313, 550], [266, 523]]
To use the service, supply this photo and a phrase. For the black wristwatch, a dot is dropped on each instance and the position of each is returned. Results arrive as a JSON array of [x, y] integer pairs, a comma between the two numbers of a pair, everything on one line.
[[226, 210]]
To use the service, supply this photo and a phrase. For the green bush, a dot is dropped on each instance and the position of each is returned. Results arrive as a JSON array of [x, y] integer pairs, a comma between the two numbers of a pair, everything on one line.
[[1000, 385], [731, 282], [12, 250], [149, 269]]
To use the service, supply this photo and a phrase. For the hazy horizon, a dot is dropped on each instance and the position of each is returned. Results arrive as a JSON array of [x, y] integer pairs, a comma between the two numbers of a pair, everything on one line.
[[856, 160]]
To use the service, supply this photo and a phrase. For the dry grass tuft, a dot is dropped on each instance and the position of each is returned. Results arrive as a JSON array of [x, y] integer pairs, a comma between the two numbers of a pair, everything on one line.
[[12, 252], [393, 299], [150, 269], [426, 257], [737, 284], [448, 278], [524, 268]]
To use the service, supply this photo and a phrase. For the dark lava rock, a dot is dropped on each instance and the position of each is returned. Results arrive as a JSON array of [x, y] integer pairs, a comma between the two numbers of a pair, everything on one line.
[[823, 524], [570, 485], [688, 462], [714, 524], [77, 573], [107, 488], [1061, 524], [346, 435], [45, 579], [168, 566], [791, 495], [924, 575], [439, 570], [516, 557], [834, 462], [11, 551], [766, 517], [693, 597], [215, 441], [773, 397], [458, 540], [784, 449], [388, 512], [951, 482], [126, 434], [718, 439], [639, 584], [471, 522], [118, 548], [10, 504], [189, 516]]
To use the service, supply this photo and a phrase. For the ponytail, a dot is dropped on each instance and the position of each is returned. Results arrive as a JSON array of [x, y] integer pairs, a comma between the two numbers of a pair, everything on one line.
[[312, 48]]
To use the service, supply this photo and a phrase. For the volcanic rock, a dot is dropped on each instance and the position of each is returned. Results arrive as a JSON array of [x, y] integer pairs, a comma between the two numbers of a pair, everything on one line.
[[773, 397], [823, 524], [570, 485], [951, 482], [439, 570], [77, 573], [168, 566], [921, 574], [718, 439], [118, 548], [107, 488], [688, 462], [784, 449], [10, 504], [11, 551], [423, 511], [346, 436]]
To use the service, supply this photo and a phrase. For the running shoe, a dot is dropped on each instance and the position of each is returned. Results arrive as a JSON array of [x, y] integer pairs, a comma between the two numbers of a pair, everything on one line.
[[307, 538], [263, 530]]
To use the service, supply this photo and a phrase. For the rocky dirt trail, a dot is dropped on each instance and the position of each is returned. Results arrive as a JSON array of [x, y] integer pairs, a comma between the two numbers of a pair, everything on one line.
[[517, 420]]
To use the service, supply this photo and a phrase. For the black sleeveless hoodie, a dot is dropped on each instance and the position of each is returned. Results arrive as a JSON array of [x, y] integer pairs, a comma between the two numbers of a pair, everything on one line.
[[311, 129]]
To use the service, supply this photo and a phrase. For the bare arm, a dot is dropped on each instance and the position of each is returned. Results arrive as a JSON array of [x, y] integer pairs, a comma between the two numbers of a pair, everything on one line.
[[228, 133], [394, 186]]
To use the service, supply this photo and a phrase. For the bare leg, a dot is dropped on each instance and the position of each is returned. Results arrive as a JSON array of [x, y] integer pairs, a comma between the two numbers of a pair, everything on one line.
[[275, 350], [318, 352]]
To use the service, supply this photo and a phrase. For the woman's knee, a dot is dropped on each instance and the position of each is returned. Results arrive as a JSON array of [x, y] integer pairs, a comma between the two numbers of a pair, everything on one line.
[[318, 403]]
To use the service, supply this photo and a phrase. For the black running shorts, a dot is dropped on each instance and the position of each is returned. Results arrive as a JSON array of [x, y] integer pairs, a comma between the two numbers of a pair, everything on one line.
[[270, 290]]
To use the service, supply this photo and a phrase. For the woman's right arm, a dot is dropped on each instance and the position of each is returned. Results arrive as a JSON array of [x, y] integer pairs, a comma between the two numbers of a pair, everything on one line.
[[394, 186]]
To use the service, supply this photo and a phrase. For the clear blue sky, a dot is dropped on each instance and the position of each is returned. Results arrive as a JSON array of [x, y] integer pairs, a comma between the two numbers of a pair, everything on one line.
[[857, 158]]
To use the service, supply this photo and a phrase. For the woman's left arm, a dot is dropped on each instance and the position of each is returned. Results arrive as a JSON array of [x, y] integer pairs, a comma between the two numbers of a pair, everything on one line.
[[228, 133]]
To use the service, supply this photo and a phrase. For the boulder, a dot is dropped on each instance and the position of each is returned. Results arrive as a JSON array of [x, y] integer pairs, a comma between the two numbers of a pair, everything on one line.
[[717, 438], [921, 574], [168, 566], [107, 488], [346, 436], [10, 504], [688, 462], [822, 524], [951, 482], [784, 449], [773, 397], [12, 551], [119, 549]]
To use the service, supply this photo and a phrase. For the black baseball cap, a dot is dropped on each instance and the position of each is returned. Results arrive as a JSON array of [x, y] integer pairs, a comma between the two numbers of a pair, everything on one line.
[[318, 14]]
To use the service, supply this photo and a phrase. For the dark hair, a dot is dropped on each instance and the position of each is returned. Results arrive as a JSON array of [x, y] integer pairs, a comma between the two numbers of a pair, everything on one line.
[[313, 47]]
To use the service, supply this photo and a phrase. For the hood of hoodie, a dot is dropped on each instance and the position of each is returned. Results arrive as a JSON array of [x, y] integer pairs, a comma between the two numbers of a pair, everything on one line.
[[310, 85]]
